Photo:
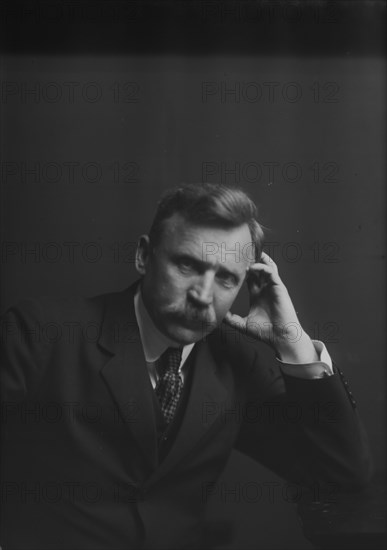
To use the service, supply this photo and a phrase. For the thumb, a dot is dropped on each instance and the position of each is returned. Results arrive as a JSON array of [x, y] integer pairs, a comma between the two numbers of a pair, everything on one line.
[[235, 321]]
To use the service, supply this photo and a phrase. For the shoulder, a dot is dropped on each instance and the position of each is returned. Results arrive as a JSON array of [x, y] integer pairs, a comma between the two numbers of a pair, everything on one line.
[[231, 345], [253, 362], [51, 310]]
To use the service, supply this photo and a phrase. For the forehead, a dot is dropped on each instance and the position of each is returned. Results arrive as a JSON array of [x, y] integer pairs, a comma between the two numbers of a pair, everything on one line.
[[210, 244]]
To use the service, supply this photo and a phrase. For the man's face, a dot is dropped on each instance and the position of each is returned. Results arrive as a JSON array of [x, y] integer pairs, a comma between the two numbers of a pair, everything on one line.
[[192, 277]]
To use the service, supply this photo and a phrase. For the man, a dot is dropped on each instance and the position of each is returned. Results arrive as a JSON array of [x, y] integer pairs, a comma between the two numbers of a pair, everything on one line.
[[115, 428]]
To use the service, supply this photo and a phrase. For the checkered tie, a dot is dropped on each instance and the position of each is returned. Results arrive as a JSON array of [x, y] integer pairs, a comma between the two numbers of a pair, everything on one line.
[[169, 385]]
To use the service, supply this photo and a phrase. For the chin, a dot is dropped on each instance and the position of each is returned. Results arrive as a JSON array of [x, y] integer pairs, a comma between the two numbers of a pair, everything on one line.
[[184, 335]]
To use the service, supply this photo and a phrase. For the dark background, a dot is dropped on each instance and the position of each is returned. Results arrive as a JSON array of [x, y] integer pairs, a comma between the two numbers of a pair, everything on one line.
[[106, 104]]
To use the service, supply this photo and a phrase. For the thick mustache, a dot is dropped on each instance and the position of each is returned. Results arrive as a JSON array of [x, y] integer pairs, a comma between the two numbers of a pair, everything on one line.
[[195, 315]]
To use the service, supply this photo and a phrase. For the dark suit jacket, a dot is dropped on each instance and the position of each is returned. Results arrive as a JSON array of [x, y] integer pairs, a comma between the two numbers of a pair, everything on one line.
[[80, 463]]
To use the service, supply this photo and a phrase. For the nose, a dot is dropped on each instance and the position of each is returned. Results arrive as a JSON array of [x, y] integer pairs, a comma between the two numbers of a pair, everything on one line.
[[202, 291]]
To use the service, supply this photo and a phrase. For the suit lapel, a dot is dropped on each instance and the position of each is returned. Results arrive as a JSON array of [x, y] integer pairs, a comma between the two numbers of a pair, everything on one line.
[[126, 374]]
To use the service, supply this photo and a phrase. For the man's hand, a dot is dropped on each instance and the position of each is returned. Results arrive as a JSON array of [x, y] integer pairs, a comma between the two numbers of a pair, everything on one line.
[[272, 317]]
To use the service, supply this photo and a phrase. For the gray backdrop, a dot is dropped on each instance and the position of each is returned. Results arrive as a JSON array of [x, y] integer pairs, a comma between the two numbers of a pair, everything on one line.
[[92, 134]]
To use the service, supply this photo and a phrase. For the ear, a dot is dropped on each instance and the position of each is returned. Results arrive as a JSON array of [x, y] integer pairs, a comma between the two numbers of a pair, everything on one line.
[[142, 254]]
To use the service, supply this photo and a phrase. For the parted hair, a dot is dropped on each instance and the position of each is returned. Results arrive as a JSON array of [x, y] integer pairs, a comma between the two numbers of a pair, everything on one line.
[[208, 204]]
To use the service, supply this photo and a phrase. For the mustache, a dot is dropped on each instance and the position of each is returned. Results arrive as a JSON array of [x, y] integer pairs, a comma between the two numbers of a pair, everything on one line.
[[190, 314]]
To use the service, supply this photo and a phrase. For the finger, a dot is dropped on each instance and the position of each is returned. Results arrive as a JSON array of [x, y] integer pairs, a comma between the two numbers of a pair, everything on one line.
[[235, 321], [259, 273], [267, 260]]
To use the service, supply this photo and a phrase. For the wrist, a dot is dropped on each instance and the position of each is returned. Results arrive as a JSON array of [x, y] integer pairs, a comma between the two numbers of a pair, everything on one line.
[[296, 350]]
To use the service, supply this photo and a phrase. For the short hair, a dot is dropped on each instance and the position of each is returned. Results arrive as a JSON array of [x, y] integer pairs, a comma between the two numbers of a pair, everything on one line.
[[211, 205]]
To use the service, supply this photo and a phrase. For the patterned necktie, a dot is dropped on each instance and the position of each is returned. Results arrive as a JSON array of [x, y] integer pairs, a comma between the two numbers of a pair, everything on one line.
[[169, 385]]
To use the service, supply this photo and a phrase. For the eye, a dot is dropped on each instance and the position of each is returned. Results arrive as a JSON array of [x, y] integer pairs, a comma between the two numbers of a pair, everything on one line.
[[185, 265], [227, 279]]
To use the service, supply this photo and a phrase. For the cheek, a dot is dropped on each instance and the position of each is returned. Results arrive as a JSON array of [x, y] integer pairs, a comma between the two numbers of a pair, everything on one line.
[[172, 286], [223, 302]]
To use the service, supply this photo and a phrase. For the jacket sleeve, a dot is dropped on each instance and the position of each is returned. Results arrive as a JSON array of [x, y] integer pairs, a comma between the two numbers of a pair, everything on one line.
[[24, 347], [307, 431]]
